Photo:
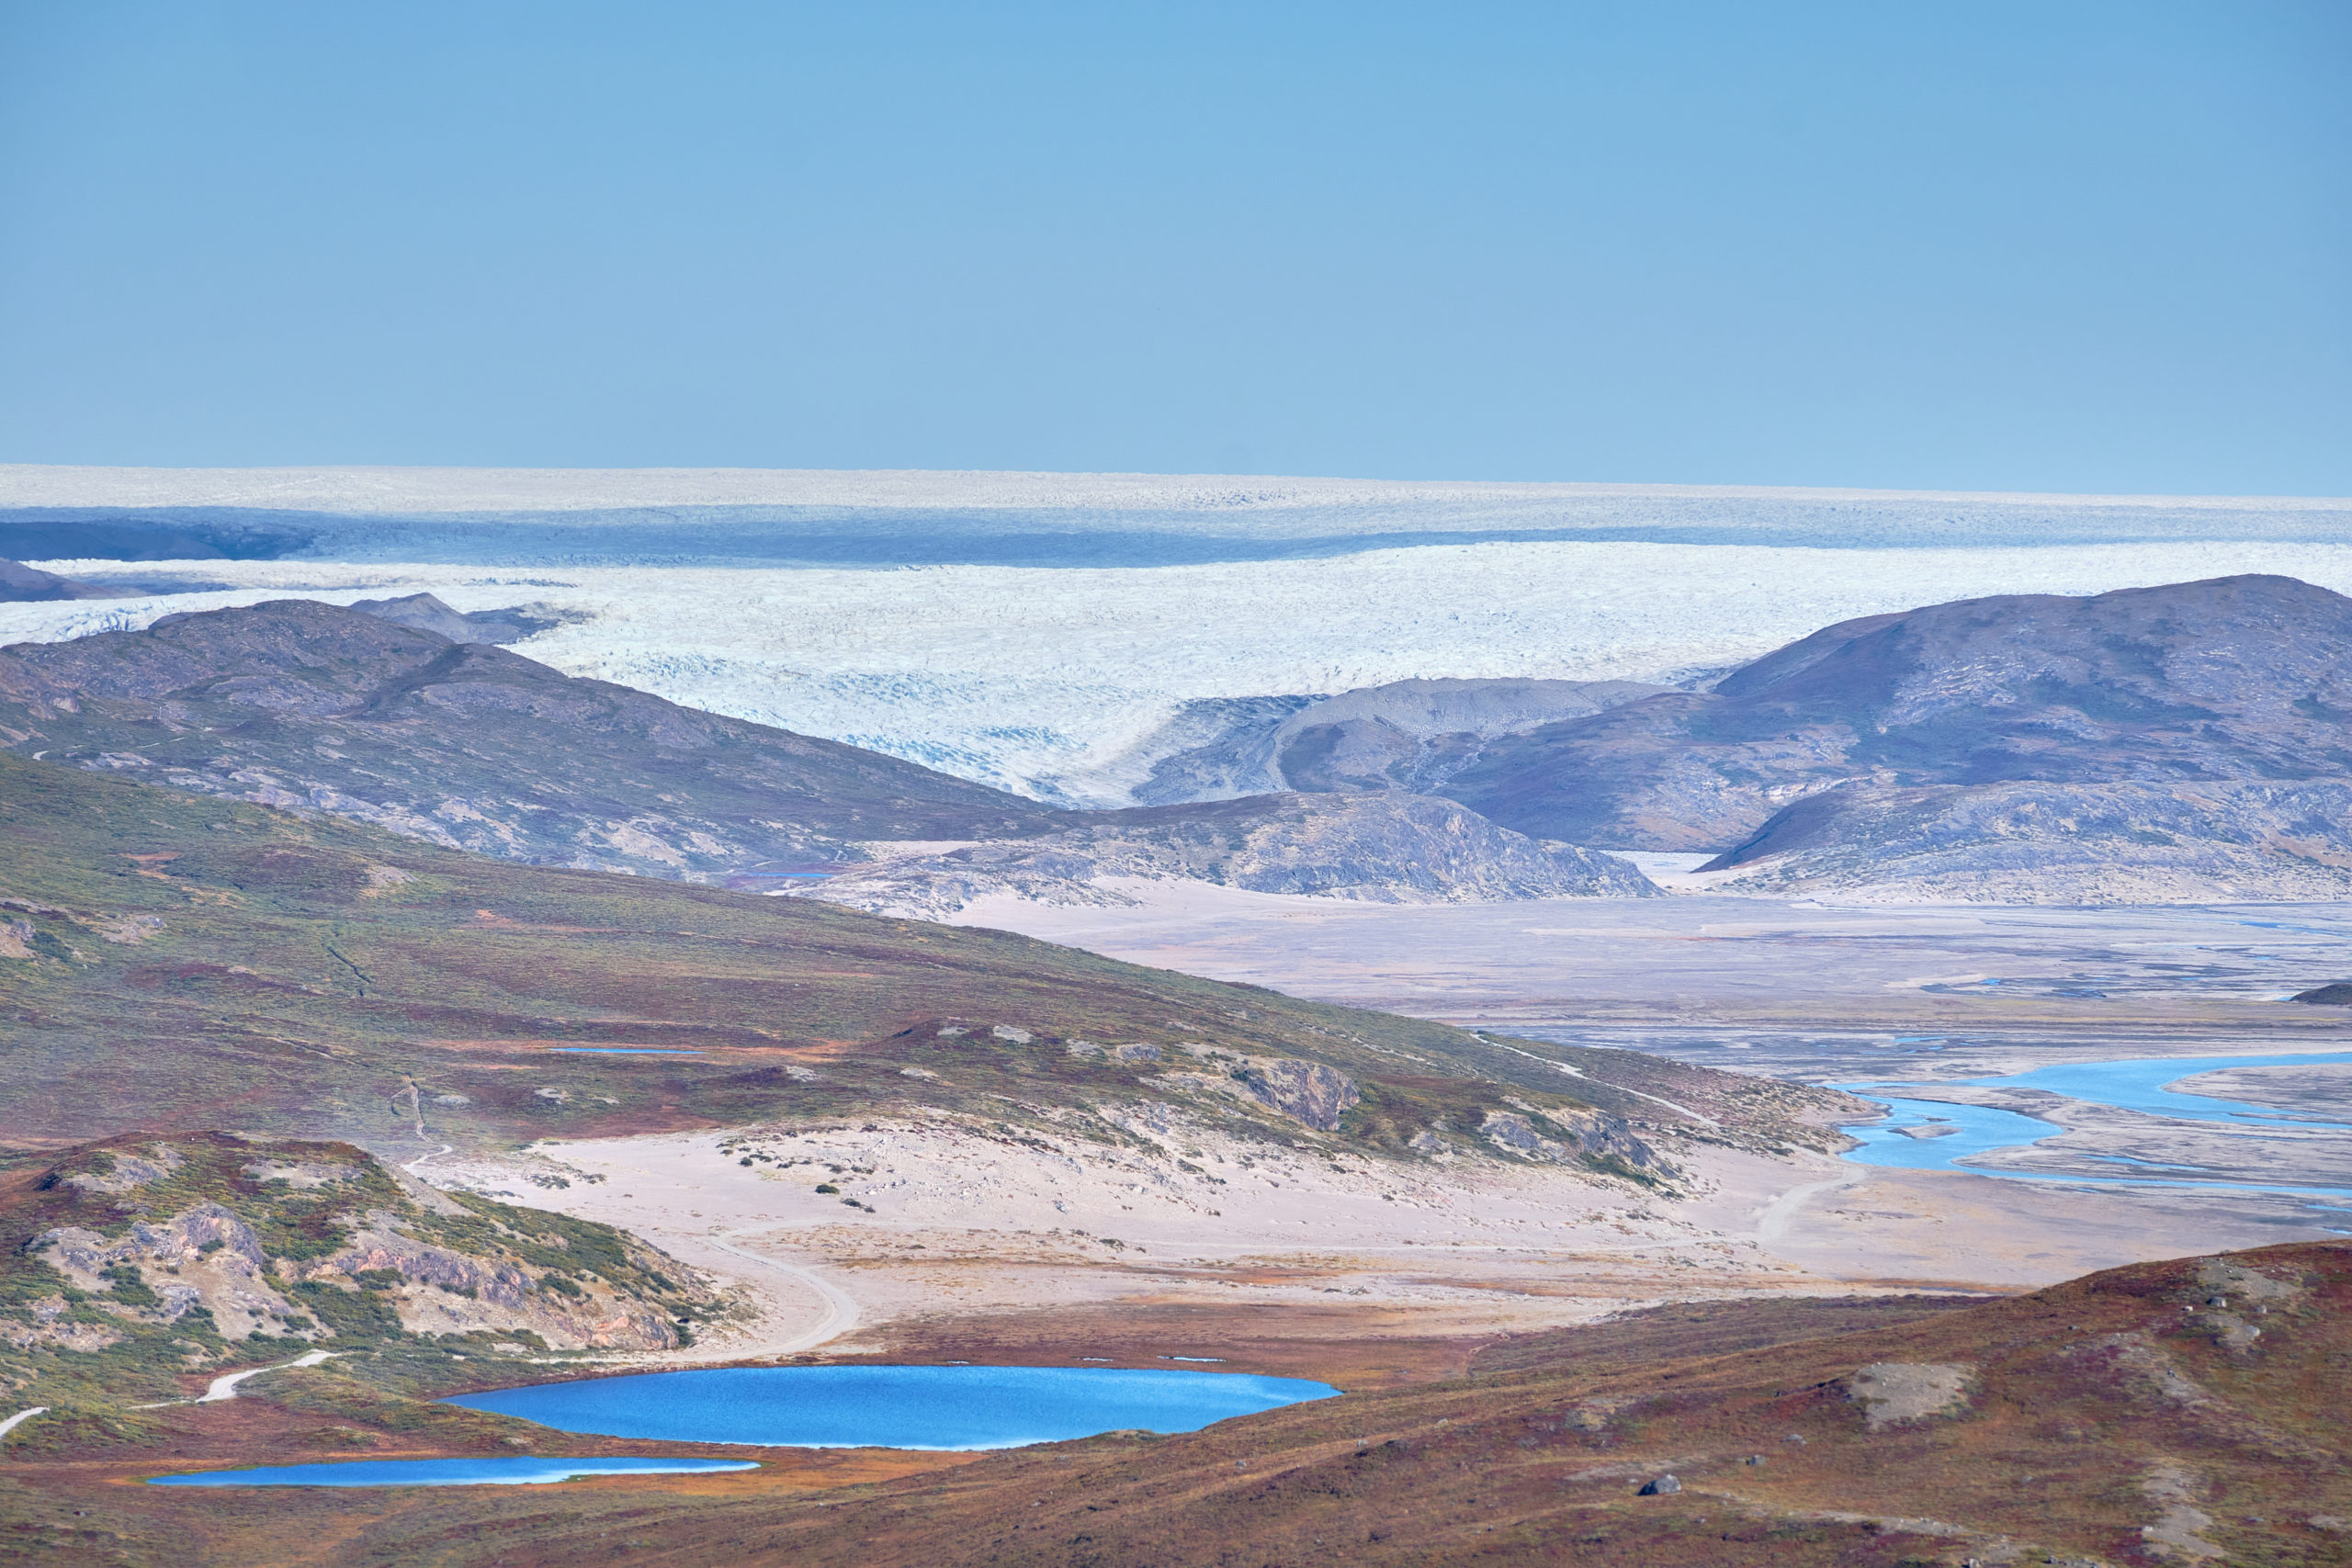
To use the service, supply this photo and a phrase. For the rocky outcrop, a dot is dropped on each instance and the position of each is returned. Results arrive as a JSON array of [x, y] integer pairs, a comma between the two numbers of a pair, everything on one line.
[[205, 1256], [1393, 848], [123, 1170], [425, 611], [442, 1291], [203, 1245], [2237, 679], [314, 707], [2057, 844], [1589, 1138], [22, 584], [1407, 734], [1309, 1093]]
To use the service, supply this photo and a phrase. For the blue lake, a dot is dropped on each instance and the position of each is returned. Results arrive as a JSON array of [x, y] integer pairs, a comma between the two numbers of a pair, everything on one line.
[[2139, 1084], [499, 1470], [897, 1407]]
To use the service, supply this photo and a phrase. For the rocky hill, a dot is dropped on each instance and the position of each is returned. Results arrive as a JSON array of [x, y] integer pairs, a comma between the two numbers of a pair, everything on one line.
[[170, 960], [2238, 678], [22, 584], [311, 706], [1408, 735], [2219, 841], [1394, 849], [129, 1264], [424, 612]]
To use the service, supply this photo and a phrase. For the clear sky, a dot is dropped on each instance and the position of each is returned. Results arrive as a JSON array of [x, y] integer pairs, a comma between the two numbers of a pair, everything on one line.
[[2050, 245]]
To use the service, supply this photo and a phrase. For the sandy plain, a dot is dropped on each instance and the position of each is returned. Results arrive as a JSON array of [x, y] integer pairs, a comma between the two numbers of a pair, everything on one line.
[[962, 1233], [950, 1236]]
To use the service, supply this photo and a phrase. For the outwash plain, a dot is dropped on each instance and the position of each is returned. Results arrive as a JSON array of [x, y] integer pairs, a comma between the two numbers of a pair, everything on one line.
[[1258, 944]]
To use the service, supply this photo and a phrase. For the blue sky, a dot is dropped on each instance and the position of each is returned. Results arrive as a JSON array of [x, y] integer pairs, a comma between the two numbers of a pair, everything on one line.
[[2051, 246]]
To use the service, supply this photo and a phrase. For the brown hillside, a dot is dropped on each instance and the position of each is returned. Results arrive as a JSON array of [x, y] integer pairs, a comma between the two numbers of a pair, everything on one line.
[[169, 960], [2189, 1411]]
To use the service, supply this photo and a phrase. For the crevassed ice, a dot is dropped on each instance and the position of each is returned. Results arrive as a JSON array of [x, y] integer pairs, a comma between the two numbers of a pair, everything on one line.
[[1036, 679]]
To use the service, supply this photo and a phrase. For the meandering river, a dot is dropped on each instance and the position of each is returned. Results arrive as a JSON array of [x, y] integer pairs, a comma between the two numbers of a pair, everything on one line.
[[2150, 1086]]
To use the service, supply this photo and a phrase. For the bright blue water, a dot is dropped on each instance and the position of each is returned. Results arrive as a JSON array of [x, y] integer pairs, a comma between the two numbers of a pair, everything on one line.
[[2143, 1085], [897, 1407], [1982, 1130], [2139, 1084], [502, 1471]]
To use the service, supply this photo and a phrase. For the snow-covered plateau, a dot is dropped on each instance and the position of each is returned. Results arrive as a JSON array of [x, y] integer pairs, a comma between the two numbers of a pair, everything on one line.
[[1052, 679]]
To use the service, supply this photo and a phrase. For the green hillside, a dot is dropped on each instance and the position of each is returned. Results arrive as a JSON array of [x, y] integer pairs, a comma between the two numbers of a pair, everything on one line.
[[169, 960]]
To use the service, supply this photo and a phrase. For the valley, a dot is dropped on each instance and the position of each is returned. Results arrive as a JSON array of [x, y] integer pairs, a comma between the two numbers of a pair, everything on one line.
[[1600, 1057]]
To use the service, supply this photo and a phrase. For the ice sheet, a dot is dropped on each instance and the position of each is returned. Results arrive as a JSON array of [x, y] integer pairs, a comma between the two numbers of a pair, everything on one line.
[[1025, 676]]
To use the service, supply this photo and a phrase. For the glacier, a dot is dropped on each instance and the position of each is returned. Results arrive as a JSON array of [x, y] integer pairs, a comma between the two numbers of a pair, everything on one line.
[[939, 633]]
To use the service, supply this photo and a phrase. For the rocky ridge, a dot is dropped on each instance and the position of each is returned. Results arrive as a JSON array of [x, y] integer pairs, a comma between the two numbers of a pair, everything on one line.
[[157, 1255], [1391, 848], [22, 584], [2056, 843], [1408, 735], [2233, 678], [316, 708]]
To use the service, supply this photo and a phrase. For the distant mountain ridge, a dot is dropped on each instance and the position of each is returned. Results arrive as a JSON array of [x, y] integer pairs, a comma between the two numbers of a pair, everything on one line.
[[1406, 735], [2233, 678], [2037, 843], [2192, 742], [22, 584], [302, 704], [2188, 742], [1390, 848], [403, 713]]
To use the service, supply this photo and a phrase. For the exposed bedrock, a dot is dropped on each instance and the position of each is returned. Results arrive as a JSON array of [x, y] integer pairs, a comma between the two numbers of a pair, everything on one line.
[[2058, 843], [187, 1245], [311, 706], [2233, 679], [1385, 848], [1309, 1092], [22, 584], [425, 611], [1408, 735]]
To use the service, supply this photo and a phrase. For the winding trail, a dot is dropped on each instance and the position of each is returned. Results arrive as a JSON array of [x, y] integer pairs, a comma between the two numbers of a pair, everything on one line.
[[840, 1310], [21, 1417], [436, 1153], [225, 1385], [1772, 1222]]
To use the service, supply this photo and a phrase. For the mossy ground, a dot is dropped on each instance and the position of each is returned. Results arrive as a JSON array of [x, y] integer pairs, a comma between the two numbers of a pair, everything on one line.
[[1529, 1451], [196, 962]]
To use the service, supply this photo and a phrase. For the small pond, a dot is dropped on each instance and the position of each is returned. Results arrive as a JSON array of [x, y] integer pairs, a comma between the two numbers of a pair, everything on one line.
[[504, 1470], [897, 1407]]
